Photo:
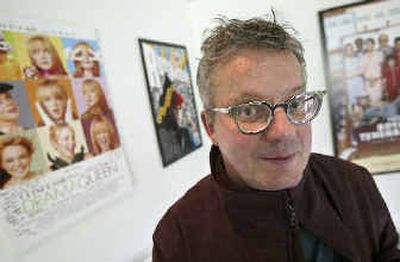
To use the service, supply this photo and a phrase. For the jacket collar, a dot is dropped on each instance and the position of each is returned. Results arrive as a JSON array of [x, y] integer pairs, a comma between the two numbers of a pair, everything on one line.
[[313, 208]]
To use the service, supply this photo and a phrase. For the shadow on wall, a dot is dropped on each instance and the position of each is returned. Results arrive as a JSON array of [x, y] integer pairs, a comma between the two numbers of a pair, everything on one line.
[[144, 256]]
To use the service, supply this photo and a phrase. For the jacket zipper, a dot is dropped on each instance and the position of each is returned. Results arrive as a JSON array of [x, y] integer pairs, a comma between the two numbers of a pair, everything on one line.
[[291, 210]]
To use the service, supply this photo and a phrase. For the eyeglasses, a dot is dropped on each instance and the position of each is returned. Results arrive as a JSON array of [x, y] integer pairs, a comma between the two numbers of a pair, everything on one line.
[[255, 116]]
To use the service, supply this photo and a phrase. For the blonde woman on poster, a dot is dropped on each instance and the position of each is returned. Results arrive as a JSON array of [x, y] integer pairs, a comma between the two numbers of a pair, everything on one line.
[[62, 139], [103, 135], [95, 99], [15, 161], [85, 60], [44, 59], [52, 103]]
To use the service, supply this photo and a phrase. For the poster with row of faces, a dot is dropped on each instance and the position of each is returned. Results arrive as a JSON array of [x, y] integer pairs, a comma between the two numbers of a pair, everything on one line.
[[362, 51], [54, 106], [60, 151]]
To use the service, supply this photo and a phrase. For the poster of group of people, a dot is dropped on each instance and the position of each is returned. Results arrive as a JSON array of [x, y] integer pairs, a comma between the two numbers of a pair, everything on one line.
[[362, 56], [172, 100], [60, 152]]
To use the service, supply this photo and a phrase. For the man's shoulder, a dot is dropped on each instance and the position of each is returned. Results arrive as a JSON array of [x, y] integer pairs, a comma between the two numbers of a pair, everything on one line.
[[196, 200], [349, 187], [340, 173], [192, 210], [331, 164], [182, 219], [197, 196]]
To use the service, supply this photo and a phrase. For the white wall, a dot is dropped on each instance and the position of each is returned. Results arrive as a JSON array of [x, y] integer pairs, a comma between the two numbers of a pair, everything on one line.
[[122, 232]]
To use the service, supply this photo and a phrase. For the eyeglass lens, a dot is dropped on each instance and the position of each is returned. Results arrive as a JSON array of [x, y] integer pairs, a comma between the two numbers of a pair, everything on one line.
[[255, 117]]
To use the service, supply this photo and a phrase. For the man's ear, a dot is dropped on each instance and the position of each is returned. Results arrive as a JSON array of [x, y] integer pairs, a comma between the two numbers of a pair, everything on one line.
[[209, 126]]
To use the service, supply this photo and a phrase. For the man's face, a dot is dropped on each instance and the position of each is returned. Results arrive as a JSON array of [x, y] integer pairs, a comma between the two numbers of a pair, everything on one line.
[[276, 158], [383, 40], [370, 46], [359, 43]]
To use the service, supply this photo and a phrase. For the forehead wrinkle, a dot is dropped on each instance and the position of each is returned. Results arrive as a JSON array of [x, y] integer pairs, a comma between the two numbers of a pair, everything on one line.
[[239, 65], [248, 96], [245, 63], [245, 98]]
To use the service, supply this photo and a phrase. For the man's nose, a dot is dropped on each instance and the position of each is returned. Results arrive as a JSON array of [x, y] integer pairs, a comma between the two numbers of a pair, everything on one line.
[[280, 126]]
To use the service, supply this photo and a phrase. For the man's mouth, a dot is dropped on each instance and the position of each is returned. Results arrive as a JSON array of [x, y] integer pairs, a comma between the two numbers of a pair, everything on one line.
[[279, 158]]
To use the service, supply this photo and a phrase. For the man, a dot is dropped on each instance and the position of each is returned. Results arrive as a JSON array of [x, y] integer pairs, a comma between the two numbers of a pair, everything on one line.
[[9, 111], [268, 198], [384, 46], [359, 43]]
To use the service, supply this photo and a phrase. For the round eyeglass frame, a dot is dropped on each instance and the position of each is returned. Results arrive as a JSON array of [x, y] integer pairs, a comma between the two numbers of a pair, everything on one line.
[[318, 95]]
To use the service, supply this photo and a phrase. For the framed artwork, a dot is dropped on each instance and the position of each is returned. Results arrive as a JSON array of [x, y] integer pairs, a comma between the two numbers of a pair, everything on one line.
[[361, 46], [170, 89]]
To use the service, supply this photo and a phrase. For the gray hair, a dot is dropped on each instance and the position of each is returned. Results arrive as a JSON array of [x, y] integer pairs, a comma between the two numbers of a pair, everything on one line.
[[232, 35]]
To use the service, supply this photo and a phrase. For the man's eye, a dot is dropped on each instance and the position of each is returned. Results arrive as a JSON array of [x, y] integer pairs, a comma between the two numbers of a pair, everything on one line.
[[247, 111], [297, 103], [252, 113], [300, 107], [300, 102]]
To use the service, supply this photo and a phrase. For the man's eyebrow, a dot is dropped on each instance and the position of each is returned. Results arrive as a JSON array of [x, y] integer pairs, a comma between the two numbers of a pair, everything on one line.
[[293, 92], [245, 98]]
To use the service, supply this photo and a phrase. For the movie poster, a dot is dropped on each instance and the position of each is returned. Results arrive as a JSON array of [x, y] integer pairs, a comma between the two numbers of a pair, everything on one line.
[[171, 95], [60, 150], [362, 58]]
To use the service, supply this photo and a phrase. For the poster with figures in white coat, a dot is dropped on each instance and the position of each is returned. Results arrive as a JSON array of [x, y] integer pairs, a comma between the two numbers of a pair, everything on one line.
[[362, 66]]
